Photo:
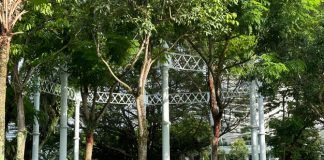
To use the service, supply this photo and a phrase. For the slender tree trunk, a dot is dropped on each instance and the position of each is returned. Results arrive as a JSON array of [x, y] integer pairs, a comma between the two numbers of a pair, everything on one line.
[[216, 129], [216, 114], [22, 132], [89, 146], [140, 103], [4, 57], [142, 128]]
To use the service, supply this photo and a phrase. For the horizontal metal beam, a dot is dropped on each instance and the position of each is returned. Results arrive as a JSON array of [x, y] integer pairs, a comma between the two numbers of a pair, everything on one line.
[[187, 62], [153, 99], [55, 89]]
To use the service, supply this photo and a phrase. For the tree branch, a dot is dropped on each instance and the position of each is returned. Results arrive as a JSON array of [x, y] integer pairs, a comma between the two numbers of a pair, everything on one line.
[[201, 55], [236, 64], [93, 105], [13, 8], [116, 78], [84, 96], [17, 17], [103, 111], [134, 60]]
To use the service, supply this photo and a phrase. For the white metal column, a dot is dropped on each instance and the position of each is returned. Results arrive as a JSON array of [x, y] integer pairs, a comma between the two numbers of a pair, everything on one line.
[[63, 113], [77, 125], [254, 126], [35, 149], [165, 110], [261, 128]]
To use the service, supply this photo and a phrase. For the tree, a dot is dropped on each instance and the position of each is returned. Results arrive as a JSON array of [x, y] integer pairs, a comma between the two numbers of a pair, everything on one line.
[[293, 33], [90, 75], [294, 139], [146, 21], [27, 54], [190, 134], [11, 12], [239, 151], [224, 34]]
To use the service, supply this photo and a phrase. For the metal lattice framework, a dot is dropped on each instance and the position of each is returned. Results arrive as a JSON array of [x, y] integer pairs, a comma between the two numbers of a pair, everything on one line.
[[230, 89], [233, 90], [187, 62], [180, 98], [55, 89], [117, 98]]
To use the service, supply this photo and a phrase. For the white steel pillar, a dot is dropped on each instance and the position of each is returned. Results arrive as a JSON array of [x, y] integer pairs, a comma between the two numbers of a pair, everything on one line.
[[165, 114], [261, 128], [254, 126], [35, 149], [63, 113], [77, 125]]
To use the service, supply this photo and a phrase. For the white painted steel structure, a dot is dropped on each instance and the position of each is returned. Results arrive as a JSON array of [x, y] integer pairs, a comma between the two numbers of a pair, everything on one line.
[[63, 113], [35, 149], [177, 62], [77, 125], [165, 113], [263, 147], [187, 62], [254, 126]]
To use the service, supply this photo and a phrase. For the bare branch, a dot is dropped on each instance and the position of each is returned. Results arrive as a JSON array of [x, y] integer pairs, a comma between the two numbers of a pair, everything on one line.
[[134, 60], [16, 33], [236, 64], [17, 17], [175, 42], [6, 22], [202, 56], [13, 8], [113, 74], [103, 111]]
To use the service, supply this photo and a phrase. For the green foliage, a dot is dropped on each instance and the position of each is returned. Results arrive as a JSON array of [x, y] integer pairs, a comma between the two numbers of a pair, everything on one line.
[[86, 68], [45, 8], [209, 16], [221, 155], [241, 50], [294, 140], [239, 151], [189, 135], [121, 49], [278, 41], [270, 68], [252, 15]]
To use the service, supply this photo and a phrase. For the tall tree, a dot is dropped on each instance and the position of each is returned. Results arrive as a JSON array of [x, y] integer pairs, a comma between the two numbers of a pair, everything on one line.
[[91, 76], [143, 22], [30, 50], [11, 12], [294, 37], [224, 34]]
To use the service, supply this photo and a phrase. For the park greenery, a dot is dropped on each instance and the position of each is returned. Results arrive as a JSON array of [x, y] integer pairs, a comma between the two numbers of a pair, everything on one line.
[[239, 150], [118, 46]]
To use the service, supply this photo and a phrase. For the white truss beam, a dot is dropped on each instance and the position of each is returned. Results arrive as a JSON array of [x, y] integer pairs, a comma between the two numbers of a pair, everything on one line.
[[55, 89], [153, 99], [117, 98], [187, 62]]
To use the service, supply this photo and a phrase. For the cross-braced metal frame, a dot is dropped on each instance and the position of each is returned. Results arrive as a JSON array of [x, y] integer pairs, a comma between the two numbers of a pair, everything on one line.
[[232, 88]]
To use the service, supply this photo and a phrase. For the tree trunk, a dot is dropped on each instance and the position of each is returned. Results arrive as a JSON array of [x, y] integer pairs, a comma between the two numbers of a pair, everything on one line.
[[89, 146], [22, 133], [216, 114], [140, 104], [4, 57], [142, 127], [216, 130]]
